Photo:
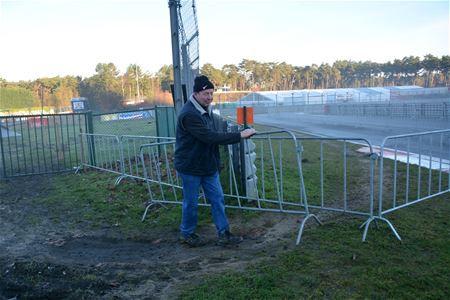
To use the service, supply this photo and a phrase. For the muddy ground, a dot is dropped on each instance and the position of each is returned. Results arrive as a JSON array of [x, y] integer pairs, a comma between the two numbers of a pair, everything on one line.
[[47, 260]]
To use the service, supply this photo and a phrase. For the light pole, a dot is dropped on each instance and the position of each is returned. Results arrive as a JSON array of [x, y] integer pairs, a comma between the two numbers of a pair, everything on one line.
[[176, 61]]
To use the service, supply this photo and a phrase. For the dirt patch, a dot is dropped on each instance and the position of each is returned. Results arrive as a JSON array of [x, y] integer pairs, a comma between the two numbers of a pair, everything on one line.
[[42, 259]]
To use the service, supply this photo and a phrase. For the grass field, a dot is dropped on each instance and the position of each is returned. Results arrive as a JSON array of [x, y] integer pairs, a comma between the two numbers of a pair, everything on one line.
[[332, 262]]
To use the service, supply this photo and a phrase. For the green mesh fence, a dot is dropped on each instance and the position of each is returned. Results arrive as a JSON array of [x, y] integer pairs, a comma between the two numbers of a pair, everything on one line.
[[135, 122]]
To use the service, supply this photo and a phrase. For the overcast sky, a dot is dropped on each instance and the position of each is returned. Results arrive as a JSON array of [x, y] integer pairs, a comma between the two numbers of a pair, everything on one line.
[[47, 38]]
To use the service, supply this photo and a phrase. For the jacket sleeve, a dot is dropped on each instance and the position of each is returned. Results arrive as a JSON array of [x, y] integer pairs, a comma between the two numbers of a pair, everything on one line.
[[195, 126]]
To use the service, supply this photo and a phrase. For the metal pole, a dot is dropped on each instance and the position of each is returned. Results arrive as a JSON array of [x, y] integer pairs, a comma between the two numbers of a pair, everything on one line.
[[243, 171], [187, 77], [243, 154], [3, 165], [176, 61], [89, 128]]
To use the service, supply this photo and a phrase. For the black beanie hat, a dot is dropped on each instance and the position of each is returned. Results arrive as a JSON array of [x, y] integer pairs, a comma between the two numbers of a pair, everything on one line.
[[202, 83]]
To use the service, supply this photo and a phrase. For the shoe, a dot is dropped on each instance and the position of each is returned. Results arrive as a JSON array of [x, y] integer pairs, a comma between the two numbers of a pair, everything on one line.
[[228, 239], [192, 240]]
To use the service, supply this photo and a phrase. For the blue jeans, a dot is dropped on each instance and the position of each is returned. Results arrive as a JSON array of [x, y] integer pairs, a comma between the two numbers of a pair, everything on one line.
[[213, 192]]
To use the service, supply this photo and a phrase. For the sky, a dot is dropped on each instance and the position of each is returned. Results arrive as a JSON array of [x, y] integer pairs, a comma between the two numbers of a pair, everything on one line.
[[48, 38]]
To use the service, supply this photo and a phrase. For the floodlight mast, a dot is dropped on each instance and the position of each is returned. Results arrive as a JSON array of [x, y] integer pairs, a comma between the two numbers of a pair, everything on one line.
[[176, 61]]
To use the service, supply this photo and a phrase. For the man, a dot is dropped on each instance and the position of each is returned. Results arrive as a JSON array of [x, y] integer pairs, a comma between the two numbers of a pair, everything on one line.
[[197, 163]]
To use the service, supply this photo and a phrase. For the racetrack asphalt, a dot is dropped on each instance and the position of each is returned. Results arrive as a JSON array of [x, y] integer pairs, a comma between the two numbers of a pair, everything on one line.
[[372, 129]]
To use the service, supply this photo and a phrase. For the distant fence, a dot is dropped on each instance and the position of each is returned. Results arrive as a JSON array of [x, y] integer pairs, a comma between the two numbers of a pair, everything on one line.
[[342, 96], [136, 122], [403, 110], [414, 103], [436, 109], [50, 143], [40, 144]]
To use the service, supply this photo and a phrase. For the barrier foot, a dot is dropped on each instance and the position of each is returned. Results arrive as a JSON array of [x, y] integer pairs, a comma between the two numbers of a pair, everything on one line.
[[302, 225], [78, 169], [367, 224], [368, 221], [118, 180], [150, 203]]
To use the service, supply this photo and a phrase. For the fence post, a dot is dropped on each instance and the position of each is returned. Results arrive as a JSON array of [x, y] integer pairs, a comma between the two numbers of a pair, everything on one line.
[[3, 152], [236, 150], [242, 154], [91, 144]]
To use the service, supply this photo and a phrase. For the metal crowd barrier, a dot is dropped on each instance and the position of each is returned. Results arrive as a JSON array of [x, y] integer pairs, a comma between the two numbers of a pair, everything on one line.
[[346, 174], [130, 146], [419, 164], [102, 152], [269, 192], [412, 168], [115, 154]]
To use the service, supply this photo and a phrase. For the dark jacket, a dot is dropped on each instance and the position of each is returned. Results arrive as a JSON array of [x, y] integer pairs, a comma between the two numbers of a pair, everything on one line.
[[198, 140]]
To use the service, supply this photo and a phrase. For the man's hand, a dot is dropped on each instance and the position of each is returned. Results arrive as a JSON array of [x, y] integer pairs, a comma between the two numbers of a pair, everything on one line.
[[247, 133]]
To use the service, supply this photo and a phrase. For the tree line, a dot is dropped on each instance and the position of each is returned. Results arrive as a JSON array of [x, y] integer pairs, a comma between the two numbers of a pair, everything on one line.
[[107, 89], [431, 71]]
